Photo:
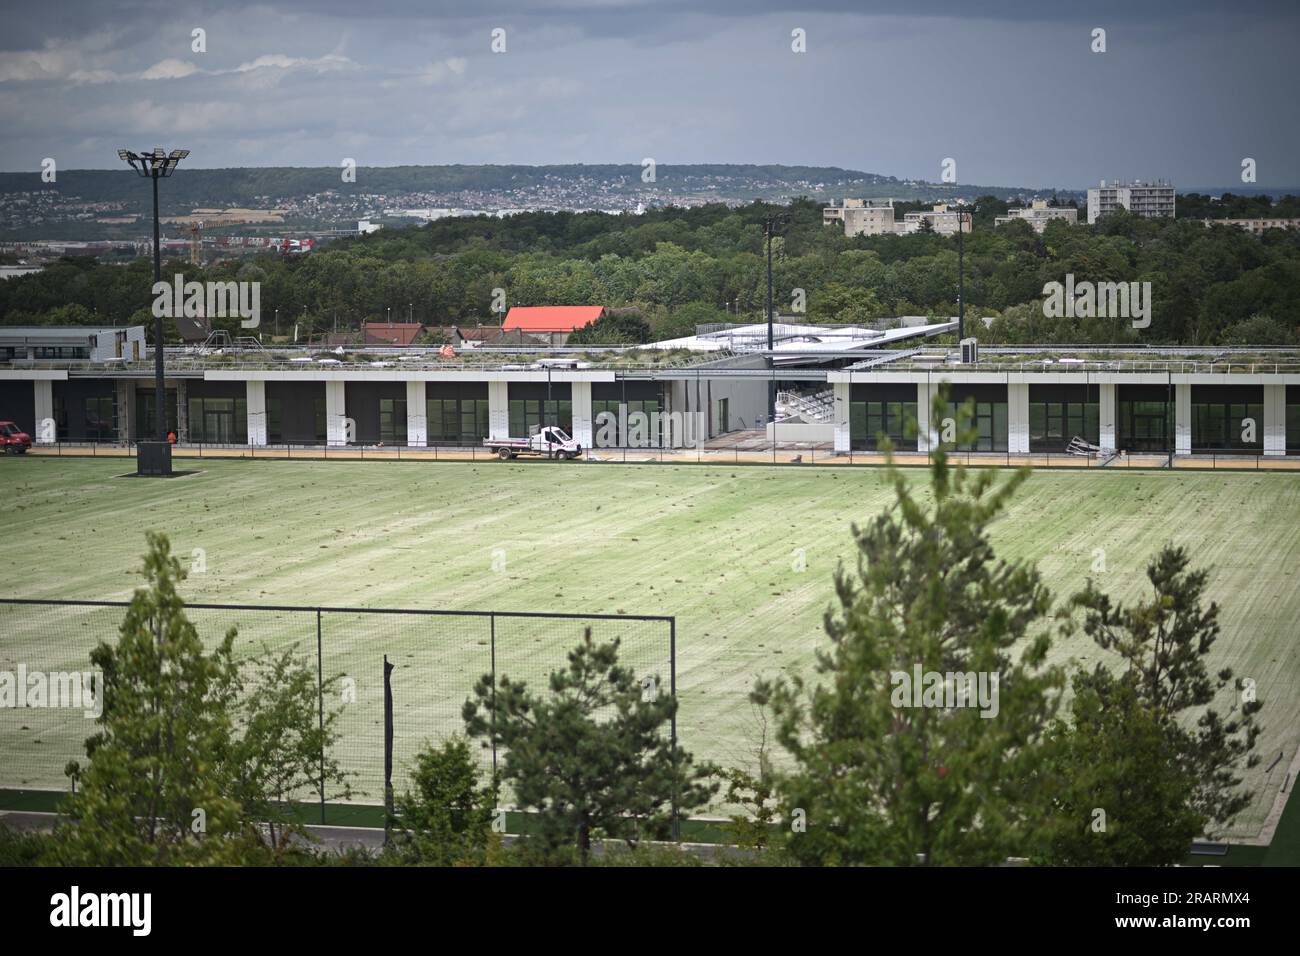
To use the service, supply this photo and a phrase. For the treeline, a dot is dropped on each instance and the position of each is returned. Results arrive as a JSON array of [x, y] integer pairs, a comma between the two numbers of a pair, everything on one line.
[[679, 267]]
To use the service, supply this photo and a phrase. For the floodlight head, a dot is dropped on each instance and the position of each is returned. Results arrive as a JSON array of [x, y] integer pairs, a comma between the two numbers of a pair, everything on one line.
[[153, 163]]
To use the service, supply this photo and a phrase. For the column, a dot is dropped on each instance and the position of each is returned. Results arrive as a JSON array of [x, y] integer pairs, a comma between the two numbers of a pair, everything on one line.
[[840, 394], [417, 420], [582, 414], [255, 399], [182, 410], [126, 409], [1106, 415], [1182, 419], [336, 420], [926, 437], [46, 433], [1017, 418], [1275, 419], [499, 409]]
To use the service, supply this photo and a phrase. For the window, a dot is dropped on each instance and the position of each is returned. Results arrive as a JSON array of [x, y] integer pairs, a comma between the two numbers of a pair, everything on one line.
[[1227, 426], [1144, 425], [620, 427], [458, 420], [989, 424], [1293, 427], [869, 422], [1053, 424], [392, 421], [99, 418], [218, 421], [527, 415]]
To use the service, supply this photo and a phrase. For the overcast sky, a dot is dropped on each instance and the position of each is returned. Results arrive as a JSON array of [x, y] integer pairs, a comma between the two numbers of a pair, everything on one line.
[[1184, 91]]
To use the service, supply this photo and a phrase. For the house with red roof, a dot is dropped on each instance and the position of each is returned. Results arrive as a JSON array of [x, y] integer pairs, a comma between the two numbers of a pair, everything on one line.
[[391, 333], [554, 323]]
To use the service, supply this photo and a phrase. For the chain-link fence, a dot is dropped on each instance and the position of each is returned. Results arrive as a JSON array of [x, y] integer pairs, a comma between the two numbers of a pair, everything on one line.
[[438, 656]]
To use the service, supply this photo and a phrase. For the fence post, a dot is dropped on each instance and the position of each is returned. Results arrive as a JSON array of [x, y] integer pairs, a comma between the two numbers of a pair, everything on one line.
[[492, 618], [388, 752], [672, 688], [320, 700]]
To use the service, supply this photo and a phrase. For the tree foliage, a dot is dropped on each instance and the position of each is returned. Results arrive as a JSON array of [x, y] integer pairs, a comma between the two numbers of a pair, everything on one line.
[[590, 757]]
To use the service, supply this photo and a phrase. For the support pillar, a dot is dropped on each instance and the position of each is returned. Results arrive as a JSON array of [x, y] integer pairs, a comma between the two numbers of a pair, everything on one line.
[[417, 417], [182, 410], [582, 426], [46, 431], [499, 409], [1275, 419], [840, 394], [336, 420], [1182, 419], [1017, 418], [255, 399], [125, 410], [1106, 415]]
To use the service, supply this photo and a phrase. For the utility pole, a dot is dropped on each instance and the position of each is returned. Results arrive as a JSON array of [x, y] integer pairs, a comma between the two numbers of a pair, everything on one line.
[[961, 273], [770, 225]]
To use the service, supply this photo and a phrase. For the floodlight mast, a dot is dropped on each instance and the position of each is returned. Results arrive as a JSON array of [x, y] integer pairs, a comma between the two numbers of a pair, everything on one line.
[[156, 165]]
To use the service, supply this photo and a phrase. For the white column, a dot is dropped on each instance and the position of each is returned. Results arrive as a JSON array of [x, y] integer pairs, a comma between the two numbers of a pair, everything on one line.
[[499, 409], [1182, 419], [926, 437], [582, 413], [46, 433], [255, 399], [417, 420], [336, 427], [1106, 415], [842, 436], [1274, 419], [1017, 418]]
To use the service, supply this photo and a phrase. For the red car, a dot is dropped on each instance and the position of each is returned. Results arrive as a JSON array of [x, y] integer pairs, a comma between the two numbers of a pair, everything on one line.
[[13, 439]]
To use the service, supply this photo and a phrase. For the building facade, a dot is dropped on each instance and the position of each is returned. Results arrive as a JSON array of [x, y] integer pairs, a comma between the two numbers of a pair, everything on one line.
[[1149, 200], [1038, 214], [862, 217]]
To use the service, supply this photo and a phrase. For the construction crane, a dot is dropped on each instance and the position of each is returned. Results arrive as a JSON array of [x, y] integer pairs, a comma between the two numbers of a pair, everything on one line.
[[196, 243]]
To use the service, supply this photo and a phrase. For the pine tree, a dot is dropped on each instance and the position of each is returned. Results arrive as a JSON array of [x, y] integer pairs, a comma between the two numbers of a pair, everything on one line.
[[877, 780], [1164, 643], [591, 757]]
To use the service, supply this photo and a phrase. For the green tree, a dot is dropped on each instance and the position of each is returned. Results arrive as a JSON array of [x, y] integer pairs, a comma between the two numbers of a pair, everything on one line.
[[877, 780], [591, 757], [446, 820], [1163, 644], [284, 749], [154, 790], [1117, 791]]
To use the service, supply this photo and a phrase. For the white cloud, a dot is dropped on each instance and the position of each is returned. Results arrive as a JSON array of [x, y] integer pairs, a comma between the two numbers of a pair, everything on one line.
[[169, 69]]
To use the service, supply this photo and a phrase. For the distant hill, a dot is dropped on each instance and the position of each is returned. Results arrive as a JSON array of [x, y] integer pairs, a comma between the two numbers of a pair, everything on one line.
[[243, 186]]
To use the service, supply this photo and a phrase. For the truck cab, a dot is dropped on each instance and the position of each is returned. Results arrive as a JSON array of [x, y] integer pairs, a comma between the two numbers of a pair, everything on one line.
[[14, 440]]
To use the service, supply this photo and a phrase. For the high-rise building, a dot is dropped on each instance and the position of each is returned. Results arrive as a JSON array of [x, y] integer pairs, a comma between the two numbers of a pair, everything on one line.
[[1149, 200]]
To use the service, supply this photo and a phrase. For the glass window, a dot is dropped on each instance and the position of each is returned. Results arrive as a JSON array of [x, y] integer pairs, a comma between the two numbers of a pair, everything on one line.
[[392, 421]]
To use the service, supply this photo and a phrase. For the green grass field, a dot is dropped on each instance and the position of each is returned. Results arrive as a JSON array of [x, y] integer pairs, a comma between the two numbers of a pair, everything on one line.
[[717, 547]]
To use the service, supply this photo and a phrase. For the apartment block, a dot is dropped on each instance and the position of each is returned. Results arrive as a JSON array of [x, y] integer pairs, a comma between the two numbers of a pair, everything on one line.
[[1149, 200], [1038, 214]]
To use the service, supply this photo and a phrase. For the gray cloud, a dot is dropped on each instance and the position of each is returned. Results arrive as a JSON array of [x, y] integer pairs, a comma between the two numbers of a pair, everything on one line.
[[1011, 91]]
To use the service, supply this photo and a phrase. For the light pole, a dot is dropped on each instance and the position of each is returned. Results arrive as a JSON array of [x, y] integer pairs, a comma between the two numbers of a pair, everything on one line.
[[961, 273], [156, 165], [770, 227]]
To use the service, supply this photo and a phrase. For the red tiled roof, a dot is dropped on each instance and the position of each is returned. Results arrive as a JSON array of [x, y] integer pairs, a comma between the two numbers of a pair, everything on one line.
[[552, 318], [392, 333]]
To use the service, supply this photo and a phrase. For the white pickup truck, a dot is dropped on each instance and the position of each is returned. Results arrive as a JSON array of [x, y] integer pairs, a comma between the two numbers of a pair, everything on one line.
[[551, 441]]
